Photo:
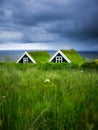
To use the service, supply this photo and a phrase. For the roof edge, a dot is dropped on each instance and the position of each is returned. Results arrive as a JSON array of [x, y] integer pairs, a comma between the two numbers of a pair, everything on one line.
[[28, 56]]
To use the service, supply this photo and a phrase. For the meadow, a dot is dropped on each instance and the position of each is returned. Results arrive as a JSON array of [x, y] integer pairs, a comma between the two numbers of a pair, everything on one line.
[[48, 97]]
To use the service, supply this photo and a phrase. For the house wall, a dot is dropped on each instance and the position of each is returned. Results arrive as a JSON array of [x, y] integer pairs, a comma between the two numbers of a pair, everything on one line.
[[29, 61], [63, 60]]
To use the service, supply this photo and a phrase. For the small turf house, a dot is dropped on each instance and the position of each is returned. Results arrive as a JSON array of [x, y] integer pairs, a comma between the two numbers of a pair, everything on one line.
[[59, 57], [34, 57], [69, 56]]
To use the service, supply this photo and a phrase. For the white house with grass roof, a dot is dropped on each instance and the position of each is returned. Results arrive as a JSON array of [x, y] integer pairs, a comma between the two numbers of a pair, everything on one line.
[[69, 56], [34, 57]]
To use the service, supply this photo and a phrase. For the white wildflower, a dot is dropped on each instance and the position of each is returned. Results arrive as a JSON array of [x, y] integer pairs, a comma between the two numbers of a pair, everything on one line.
[[47, 81]]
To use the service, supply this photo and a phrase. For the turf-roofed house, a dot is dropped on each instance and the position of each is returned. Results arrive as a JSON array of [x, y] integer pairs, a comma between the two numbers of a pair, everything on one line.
[[34, 57], [69, 56]]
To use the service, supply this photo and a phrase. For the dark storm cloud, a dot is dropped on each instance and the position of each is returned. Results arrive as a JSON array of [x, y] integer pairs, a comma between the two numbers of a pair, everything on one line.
[[48, 20], [82, 22]]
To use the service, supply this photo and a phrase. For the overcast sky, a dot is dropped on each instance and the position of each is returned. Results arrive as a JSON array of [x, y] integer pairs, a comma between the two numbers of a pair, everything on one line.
[[49, 24]]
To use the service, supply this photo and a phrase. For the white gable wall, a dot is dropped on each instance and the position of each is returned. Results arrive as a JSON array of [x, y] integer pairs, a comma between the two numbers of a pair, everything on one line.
[[62, 54], [26, 53]]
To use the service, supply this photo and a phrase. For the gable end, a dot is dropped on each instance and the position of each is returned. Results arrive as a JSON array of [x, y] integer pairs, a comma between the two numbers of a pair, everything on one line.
[[59, 57], [26, 58]]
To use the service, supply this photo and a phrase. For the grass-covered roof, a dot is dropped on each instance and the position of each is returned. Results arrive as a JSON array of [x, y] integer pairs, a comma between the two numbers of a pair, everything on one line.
[[40, 56], [74, 56]]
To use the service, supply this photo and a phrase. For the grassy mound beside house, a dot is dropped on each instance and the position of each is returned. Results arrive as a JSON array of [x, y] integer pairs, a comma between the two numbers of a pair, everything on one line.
[[74, 56], [67, 102], [91, 64]]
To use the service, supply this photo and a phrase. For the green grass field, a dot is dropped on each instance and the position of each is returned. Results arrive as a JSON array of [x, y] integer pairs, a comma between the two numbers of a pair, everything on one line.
[[69, 101]]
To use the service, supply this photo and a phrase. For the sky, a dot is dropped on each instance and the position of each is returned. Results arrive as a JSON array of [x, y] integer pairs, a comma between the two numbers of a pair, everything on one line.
[[48, 24]]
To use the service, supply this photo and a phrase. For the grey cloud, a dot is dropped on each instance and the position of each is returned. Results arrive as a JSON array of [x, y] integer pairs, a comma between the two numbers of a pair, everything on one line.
[[82, 23], [71, 19]]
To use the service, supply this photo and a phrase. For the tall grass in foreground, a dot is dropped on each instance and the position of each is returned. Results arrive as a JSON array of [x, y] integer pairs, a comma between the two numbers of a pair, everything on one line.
[[68, 102]]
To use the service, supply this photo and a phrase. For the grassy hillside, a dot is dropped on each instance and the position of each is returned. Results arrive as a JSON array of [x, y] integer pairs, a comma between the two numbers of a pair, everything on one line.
[[68, 100], [74, 56]]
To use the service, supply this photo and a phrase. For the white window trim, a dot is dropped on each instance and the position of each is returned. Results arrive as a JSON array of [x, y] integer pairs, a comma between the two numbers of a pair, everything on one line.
[[59, 59], [25, 60]]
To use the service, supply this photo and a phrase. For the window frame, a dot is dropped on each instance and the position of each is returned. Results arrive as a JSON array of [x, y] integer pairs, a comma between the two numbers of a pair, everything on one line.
[[25, 60], [59, 59]]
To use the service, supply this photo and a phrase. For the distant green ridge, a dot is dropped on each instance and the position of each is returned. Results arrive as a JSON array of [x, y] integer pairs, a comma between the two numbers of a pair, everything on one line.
[[74, 56], [40, 56]]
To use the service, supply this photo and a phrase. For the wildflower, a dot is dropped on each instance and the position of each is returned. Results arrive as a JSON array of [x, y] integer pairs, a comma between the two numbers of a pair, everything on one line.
[[47, 81]]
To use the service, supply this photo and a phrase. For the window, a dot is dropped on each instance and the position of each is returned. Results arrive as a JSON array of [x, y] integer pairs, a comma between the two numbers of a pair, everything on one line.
[[25, 60], [59, 59]]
